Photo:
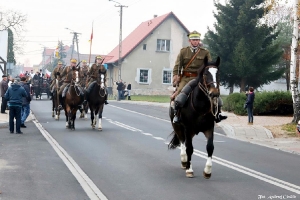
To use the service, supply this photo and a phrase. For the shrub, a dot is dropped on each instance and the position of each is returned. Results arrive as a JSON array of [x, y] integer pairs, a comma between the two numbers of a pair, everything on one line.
[[265, 103]]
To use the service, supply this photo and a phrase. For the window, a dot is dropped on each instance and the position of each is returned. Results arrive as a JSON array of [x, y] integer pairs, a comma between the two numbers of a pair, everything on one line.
[[144, 75], [167, 76], [144, 46], [163, 45]]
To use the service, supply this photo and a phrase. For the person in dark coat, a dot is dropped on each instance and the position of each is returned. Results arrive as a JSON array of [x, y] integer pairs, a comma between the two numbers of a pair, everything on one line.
[[120, 85], [26, 102], [250, 101], [14, 95], [128, 90], [3, 89]]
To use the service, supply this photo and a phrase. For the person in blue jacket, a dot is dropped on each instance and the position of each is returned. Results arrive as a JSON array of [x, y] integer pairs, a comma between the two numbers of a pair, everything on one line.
[[250, 100], [26, 102], [14, 95]]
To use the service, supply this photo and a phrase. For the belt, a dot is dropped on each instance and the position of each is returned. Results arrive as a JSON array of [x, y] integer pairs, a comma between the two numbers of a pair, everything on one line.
[[190, 74]]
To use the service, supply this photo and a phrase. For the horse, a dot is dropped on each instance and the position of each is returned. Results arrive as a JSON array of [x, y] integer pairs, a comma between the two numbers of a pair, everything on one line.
[[73, 99], [96, 98], [55, 98], [198, 115]]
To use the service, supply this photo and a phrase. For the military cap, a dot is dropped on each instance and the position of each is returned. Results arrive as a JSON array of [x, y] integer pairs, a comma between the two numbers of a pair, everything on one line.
[[59, 63], [4, 75], [83, 61], [194, 35], [98, 57], [73, 60]]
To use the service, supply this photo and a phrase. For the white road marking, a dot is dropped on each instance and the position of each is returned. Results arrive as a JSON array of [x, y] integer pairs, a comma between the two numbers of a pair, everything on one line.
[[266, 178], [86, 183]]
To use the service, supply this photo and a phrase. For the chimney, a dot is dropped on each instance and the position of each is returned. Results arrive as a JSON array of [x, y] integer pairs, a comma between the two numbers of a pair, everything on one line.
[[154, 16]]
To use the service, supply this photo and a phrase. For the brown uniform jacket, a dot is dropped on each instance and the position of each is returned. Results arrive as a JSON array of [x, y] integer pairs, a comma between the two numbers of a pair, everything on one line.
[[185, 56], [66, 75], [94, 71], [56, 69], [84, 71]]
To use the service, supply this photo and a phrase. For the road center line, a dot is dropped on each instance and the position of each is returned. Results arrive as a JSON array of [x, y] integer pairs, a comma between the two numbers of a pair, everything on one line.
[[86, 183]]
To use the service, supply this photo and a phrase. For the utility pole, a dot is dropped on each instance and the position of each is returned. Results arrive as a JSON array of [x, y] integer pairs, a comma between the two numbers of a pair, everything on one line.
[[75, 39], [120, 36]]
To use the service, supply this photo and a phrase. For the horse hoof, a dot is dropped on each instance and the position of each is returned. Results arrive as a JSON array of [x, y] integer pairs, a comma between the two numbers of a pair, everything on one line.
[[100, 129], [189, 174], [183, 165], [206, 176]]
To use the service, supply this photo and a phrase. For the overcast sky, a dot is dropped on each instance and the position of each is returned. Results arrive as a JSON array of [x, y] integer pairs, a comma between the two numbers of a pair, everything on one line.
[[47, 21]]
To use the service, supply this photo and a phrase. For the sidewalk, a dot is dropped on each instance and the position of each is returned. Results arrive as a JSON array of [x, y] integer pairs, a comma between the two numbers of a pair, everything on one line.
[[235, 127]]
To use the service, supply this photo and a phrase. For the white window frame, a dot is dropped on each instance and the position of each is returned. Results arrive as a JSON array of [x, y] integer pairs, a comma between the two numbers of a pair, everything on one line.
[[161, 45], [167, 70], [139, 75]]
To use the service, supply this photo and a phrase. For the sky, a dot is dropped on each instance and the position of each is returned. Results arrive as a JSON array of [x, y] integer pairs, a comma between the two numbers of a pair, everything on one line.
[[47, 21]]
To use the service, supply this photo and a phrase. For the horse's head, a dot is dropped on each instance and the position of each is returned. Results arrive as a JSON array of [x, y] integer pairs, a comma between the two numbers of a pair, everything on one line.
[[100, 79], [75, 74], [208, 77]]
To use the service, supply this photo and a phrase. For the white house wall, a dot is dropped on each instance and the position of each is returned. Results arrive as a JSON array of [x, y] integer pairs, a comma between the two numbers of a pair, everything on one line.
[[153, 60]]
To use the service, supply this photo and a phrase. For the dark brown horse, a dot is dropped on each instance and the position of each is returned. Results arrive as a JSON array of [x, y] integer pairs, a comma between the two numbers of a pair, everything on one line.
[[198, 115], [73, 99], [96, 98], [55, 98]]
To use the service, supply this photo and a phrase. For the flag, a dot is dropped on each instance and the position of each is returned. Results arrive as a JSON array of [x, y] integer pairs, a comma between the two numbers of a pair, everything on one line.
[[92, 33]]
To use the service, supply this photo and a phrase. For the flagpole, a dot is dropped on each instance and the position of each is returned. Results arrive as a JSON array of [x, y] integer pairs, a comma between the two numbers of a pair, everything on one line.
[[91, 41]]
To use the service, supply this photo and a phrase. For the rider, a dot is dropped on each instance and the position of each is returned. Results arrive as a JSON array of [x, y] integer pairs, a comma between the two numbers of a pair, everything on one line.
[[84, 69], [37, 80], [189, 72], [59, 69], [94, 73], [66, 76]]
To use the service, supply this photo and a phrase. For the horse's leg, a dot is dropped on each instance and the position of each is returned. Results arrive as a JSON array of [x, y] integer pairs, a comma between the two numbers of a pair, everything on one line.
[[189, 151], [86, 107], [53, 108], [73, 118], [67, 115], [100, 118], [92, 118], [210, 149], [183, 155]]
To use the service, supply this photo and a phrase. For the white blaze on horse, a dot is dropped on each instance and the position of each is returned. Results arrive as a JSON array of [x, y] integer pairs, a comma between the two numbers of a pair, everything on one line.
[[198, 115]]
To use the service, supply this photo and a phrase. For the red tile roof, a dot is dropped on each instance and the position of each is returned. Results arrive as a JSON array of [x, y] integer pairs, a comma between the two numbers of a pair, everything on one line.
[[138, 35]]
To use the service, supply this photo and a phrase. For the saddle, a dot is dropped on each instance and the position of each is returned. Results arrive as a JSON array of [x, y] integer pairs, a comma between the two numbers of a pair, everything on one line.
[[78, 87]]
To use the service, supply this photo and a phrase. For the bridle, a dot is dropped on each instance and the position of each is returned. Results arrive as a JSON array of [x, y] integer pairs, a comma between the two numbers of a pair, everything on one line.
[[204, 88]]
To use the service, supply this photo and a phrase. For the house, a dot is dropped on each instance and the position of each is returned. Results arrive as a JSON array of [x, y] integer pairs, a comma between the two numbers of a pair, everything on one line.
[[148, 56]]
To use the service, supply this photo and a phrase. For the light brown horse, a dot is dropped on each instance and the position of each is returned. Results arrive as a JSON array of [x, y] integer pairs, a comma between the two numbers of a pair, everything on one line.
[[73, 98]]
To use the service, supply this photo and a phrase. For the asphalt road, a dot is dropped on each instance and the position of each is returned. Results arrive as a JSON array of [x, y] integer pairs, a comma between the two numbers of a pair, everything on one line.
[[129, 159]]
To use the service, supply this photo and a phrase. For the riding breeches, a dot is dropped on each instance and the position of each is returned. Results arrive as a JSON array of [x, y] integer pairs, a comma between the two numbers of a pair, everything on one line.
[[62, 87]]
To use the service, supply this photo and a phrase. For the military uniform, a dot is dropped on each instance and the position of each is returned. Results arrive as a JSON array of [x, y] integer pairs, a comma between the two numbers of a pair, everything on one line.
[[183, 59], [54, 74], [84, 70], [66, 76]]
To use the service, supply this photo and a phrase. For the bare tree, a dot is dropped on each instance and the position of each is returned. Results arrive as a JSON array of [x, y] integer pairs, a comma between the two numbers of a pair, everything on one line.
[[15, 21]]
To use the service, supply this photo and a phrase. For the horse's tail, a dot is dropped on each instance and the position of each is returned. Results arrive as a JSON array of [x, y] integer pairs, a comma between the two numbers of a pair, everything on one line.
[[174, 142]]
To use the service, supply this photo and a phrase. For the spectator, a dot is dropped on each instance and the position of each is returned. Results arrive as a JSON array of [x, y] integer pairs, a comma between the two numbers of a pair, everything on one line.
[[120, 85], [14, 95], [249, 102], [25, 110], [3, 89], [128, 90]]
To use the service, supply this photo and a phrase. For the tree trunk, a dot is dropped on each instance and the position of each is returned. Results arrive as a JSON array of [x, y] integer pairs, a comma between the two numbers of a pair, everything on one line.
[[242, 85], [231, 90], [287, 75], [293, 78]]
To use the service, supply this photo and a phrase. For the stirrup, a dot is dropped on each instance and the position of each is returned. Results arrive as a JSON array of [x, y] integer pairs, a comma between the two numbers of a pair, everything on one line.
[[176, 119], [105, 102], [60, 107]]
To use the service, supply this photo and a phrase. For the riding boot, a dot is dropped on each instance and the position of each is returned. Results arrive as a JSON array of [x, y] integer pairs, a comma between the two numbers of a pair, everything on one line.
[[219, 117], [176, 113], [51, 95], [129, 98]]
